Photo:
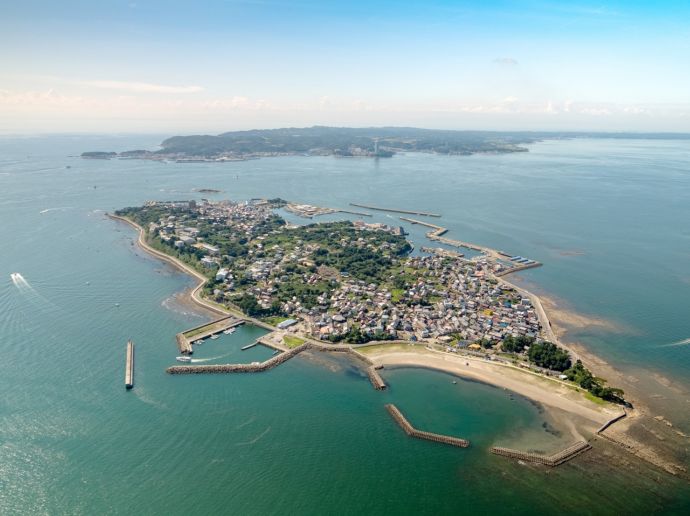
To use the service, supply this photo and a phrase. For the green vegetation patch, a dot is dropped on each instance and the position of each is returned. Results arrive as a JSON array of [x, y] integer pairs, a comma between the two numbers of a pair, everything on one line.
[[292, 342]]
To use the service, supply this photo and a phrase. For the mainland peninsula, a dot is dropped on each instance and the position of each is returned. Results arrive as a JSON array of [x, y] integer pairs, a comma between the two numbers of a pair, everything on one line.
[[346, 142], [377, 142]]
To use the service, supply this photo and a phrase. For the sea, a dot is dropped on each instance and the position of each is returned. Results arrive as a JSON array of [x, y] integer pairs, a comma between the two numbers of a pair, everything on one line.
[[608, 218]]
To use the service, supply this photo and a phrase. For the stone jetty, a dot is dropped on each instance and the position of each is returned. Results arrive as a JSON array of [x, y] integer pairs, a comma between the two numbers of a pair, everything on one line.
[[375, 378], [420, 434], [555, 459]]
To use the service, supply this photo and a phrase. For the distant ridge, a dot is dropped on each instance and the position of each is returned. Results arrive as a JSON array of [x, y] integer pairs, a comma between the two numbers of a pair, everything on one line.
[[379, 142]]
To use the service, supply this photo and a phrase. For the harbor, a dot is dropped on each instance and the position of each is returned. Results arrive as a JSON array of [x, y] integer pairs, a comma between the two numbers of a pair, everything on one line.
[[187, 338], [507, 263]]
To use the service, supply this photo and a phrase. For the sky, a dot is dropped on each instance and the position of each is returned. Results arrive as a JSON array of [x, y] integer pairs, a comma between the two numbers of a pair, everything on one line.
[[209, 66]]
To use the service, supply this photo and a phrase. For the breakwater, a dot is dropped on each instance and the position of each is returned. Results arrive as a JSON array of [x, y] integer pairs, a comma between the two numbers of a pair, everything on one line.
[[129, 365], [394, 210], [555, 459], [611, 421], [375, 378], [420, 434], [256, 367]]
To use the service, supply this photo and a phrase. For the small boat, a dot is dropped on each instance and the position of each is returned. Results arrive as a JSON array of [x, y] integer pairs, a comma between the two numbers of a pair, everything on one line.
[[183, 359], [454, 382], [198, 342], [214, 337]]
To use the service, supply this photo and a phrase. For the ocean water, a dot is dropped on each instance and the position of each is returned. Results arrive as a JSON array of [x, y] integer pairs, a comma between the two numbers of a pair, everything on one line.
[[607, 217]]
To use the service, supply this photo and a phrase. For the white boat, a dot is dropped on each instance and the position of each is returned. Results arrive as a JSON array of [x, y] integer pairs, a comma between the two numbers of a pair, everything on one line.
[[183, 359], [198, 342], [214, 337]]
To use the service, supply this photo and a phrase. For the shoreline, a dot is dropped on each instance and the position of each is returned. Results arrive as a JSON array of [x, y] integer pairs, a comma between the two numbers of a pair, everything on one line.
[[578, 408]]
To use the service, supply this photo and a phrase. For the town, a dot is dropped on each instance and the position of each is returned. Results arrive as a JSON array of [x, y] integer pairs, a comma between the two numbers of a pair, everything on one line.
[[338, 281]]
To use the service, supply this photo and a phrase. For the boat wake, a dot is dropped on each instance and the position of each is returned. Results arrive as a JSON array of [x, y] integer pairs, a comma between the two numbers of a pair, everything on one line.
[[683, 342], [19, 281], [200, 360], [48, 210], [256, 438], [29, 292]]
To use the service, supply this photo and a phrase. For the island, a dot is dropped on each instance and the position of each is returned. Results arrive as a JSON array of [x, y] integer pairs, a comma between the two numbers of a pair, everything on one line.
[[356, 283], [357, 288]]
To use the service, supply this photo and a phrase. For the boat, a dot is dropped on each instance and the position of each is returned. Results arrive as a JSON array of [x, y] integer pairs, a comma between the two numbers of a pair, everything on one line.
[[198, 342], [183, 359], [214, 337]]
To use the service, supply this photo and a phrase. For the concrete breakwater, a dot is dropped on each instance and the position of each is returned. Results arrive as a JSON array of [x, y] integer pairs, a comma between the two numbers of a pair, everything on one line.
[[256, 367], [129, 365], [393, 210], [555, 459], [420, 434]]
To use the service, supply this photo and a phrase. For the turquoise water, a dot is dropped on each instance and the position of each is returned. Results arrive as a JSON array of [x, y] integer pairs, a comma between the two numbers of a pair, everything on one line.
[[608, 218]]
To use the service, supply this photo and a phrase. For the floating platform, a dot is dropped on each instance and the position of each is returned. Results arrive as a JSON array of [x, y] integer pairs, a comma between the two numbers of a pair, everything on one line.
[[129, 365], [420, 434]]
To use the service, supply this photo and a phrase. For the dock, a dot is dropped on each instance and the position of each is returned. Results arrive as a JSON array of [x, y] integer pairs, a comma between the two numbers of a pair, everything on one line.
[[394, 210], [553, 460], [420, 434], [129, 365], [249, 346]]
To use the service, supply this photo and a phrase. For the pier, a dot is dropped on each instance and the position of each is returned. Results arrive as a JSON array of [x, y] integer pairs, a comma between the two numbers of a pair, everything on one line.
[[393, 210], [249, 346], [553, 460], [420, 434], [129, 365]]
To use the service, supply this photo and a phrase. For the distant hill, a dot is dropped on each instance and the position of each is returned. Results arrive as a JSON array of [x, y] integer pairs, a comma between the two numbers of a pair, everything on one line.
[[345, 141], [372, 141]]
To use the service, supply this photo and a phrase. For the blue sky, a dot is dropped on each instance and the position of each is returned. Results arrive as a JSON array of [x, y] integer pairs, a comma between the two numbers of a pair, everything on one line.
[[210, 66]]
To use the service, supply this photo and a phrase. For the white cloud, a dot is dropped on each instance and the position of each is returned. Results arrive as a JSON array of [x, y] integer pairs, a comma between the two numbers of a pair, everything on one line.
[[137, 87]]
